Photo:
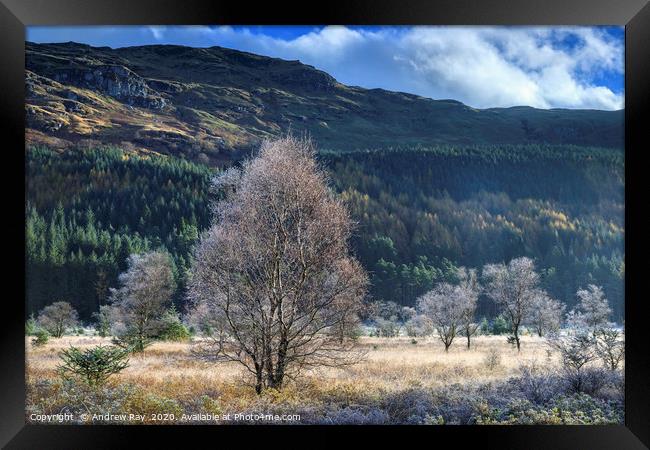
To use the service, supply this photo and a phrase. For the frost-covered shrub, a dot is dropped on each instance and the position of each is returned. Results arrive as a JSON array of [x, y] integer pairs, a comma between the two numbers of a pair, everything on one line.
[[578, 409], [584, 409], [410, 406], [596, 380], [54, 396], [455, 404], [355, 416], [577, 350], [418, 326], [387, 327], [537, 384], [492, 359]]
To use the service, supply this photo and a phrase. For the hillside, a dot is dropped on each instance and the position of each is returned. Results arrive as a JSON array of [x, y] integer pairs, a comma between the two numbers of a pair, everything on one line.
[[212, 104]]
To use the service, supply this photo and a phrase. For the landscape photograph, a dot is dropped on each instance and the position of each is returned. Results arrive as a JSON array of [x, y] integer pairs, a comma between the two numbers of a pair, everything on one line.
[[324, 225]]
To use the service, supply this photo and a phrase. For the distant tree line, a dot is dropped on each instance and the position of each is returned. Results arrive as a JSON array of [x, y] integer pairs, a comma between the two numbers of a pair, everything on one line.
[[421, 214], [88, 210]]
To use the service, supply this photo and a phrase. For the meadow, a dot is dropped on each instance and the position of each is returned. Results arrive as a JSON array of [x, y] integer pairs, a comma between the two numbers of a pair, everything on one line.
[[398, 380]]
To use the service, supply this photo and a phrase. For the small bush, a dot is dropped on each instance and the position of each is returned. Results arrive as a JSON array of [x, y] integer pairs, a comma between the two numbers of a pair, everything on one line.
[[500, 325], [536, 384], [93, 366], [172, 328], [409, 406], [145, 403], [41, 338], [30, 326], [492, 359], [484, 327], [387, 328], [418, 326], [592, 380], [103, 321], [210, 405]]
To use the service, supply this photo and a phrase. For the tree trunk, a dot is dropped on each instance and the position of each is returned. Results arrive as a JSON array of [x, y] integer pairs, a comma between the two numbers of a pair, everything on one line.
[[516, 332], [259, 374], [468, 340], [278, 377]]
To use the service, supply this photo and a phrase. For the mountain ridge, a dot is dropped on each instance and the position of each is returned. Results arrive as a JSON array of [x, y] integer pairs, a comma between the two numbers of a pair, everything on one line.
[[210, 104]]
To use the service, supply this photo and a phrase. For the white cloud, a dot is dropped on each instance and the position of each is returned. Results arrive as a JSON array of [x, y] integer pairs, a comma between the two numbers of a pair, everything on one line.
[[545, 67], [157, 32]]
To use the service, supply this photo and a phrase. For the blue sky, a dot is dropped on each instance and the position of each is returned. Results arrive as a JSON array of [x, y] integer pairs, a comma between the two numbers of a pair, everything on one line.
[[544, 67]]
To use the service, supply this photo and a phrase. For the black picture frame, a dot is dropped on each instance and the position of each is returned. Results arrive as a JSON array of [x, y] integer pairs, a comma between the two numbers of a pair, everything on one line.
[[15, 15]]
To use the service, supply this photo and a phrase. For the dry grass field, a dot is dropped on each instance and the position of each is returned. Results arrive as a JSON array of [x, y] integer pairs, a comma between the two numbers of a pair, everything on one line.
[[388, 363], [397, 381]]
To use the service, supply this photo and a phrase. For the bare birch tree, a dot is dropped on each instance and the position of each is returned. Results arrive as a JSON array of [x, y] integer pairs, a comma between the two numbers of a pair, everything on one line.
[[610, 346], [593, 306], [143, 297], [444, 307], [57, 318], [514, 288], [576, 349], [545, 314], [273, 272]]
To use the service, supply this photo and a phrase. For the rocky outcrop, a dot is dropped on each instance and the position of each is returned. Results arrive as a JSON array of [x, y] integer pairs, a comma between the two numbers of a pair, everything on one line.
[[116, 81]]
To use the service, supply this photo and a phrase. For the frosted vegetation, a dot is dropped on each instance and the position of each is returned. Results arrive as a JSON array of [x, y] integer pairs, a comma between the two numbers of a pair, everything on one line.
[[278, 319]]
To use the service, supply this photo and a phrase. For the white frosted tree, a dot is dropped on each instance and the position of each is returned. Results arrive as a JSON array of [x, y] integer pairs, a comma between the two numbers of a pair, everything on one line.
[[514, 288], [145, 293], [610, 346], [57, 318], [443, 306], [593, 306], [545, 314], [576, 350], [418, 326], [273, 274]]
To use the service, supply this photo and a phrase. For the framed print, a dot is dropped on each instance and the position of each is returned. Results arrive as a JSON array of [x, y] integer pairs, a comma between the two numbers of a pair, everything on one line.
[[376, 218]]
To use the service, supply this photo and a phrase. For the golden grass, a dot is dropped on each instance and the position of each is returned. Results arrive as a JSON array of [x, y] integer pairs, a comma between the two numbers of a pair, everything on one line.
[[390, 364]]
